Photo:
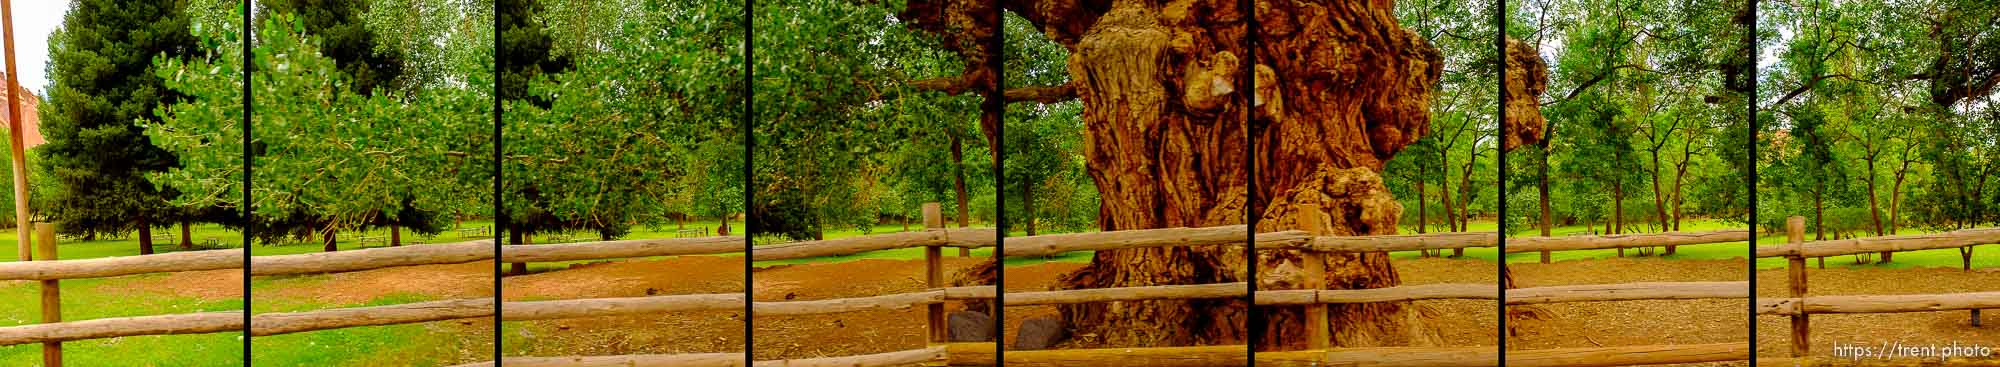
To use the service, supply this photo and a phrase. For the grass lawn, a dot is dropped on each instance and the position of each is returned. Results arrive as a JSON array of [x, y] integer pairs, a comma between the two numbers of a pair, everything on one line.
[[1711, 251], [1983, 256], [388, 345], [84, 299], [107, 247]]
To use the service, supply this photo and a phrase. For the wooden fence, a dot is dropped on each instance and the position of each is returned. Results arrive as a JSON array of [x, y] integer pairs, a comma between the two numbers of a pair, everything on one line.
[[1311, 241], [1800, 306]]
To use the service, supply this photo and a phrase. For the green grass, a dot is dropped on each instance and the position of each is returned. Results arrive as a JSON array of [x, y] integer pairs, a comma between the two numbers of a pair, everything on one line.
[[106, 247], [85, 299], [1982, 256], [401, 345], [351, 240], [1711, 251]]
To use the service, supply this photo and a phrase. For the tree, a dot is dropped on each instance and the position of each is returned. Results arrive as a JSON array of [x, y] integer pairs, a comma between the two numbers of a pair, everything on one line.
[[105, 89], [343, 35]]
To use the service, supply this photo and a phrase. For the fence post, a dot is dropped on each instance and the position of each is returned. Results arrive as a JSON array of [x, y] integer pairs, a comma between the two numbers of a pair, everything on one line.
[[51, 293], [1795, 233], [934, 272], [1545, 256], [1317, 334]]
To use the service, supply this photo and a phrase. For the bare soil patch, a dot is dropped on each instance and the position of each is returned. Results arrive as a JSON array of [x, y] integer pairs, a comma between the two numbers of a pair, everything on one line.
[[1774, 333], [787, 337], [1631, 323], [204, 285], [686, 332]]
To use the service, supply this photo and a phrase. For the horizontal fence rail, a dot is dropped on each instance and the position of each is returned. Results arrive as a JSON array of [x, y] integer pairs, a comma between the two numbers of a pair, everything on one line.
[[1897, 243], [122, 265], [1799, 307], [1878, 303], [1601, 242], [192, 323], [1628, 292], [1389, 294], [932, 239]]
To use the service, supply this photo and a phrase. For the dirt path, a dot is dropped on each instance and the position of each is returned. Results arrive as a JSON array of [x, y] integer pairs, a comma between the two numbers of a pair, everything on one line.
[[1628, 323], [1774, 333]]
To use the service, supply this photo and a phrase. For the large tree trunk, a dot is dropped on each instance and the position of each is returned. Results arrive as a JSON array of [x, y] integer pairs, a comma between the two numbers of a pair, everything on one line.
[[958, 187], [514, 237], [1027, 206], [1617, 210], [1162, 160], [145, 236], [187, 237], [331, 240], [1874, 210], [1161, 90], [1421, 187], [1318, 143], [1819, 217]]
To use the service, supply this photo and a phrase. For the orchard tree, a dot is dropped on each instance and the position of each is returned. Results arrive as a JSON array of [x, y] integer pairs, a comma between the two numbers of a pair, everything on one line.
[[104, 93]]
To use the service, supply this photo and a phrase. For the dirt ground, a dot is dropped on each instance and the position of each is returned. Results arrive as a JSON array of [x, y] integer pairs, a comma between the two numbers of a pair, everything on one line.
[[1774, 333], [1473, 324], [786, 337], [468, 280], [1630, 323], [685, 332], [205, 285]]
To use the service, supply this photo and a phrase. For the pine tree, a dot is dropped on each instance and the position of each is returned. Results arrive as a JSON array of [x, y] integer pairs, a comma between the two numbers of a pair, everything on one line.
[[104, 92]]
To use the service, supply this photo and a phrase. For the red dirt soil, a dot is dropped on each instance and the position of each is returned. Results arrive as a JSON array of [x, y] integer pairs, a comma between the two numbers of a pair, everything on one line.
[[787, 337], [685, 332]]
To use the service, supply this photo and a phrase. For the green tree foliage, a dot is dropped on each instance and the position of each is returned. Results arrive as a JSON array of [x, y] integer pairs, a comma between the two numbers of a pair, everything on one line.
[[1447, 177], [330, 158], [104, 93], [1047, 186], [1646, 114], [343, 34], [641, 125], [844, 141], [1879, 115]]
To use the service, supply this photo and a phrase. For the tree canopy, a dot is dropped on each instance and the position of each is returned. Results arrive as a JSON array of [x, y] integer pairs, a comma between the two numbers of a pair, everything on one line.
[[1878, 116]]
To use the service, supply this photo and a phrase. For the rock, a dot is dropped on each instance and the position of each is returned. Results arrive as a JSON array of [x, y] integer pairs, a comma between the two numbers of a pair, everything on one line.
[[970, 326], [1040, 333]]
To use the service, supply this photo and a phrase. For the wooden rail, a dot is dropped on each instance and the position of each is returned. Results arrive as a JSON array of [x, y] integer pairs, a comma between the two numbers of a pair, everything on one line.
[[1898, 243], [1800, 307], [1570, 243], [953, 354], [1628, 292], [1878, 303]]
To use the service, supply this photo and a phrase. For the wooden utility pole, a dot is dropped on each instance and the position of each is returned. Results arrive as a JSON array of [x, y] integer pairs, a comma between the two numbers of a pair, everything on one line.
[[24, 250]]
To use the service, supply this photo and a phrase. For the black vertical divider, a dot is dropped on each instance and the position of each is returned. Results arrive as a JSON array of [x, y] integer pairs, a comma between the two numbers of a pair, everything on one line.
[[749, 196], [1250, 212], [996, 102], [499, 209], [1500, 247], [1750, 103], [249, 226]]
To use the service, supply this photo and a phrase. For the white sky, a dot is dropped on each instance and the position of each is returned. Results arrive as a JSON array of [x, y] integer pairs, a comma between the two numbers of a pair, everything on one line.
[[33, 21]]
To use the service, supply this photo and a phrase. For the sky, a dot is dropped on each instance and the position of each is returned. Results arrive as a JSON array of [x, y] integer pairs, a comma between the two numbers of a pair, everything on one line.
[[33, 21]]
